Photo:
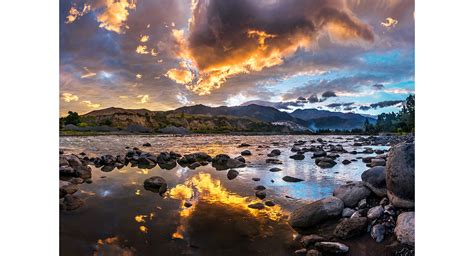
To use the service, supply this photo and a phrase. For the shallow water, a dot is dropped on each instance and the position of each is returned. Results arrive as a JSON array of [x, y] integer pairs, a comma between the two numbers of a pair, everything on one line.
[[120, 217]]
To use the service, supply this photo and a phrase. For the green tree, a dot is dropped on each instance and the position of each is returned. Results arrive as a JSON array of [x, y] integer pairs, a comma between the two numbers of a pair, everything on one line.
[[72, 118]]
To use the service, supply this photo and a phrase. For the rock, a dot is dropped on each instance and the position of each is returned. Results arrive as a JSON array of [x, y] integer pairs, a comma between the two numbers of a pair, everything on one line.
[[309, 240], [348, 228], [401, 175], [83, 171], [313, 252], [405, 229], [346, 161], [69, 189], [384, 201], [375, 212], [71, 202], [273, 161], [107, 168], [194, 165], [325, 162], [275, 152], [269, 203], [347, 212], [316, 213], [76, 180], [291, 179], [319, 153], [257, 206], [240, 158], [246, 153], [235, 163], [260, 194], [275, 169], [232, 174], [367, 160], [297, 157], [351, 193], [331, 247], [295, 149], [374, 179], [378, 232], [220, 161], [73, 160], [66, 171], [377, 162], [156, 184], [260, 187], [256, 179], [147, 145], [362, 203], [244, 145], [301, 252]]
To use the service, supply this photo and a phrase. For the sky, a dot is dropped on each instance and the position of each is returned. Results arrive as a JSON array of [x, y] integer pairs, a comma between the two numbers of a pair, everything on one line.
[[350, 56]]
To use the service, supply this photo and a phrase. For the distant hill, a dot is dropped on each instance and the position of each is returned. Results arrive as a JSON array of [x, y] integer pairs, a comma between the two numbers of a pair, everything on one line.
[[324, 119]]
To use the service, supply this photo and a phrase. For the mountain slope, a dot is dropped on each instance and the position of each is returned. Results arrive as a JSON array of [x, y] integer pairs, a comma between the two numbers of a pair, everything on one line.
[[324, 119]]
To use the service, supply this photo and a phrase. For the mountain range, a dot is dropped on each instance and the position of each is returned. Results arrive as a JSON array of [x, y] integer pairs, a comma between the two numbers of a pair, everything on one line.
[[244, 118]]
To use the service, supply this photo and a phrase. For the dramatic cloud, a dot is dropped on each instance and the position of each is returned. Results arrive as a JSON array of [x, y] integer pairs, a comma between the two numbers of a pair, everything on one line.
[[378, 86], [384, 104], [115, 14], [234, 37], [88, 73], [144, 98], [277, 105], [389, 23], [313, 98], [328, 94], [90, 104], [68, 97], [74, 13], [339, 105]]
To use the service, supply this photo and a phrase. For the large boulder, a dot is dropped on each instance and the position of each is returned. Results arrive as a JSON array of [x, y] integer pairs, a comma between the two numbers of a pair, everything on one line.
[[351, 193], [374, 178], [332, 247], [405, 229], [348, 228], [316, 213], [401, 175]]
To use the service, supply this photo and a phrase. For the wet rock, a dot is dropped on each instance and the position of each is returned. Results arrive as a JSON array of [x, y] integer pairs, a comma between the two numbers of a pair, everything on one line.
[[246, 153], [194, 165], [260, 187], [384, 201], [235, 163], [244, 145], [332, 247], [66, 171], [156, 184], [325, 162], [314, 252], [401, 175], [316, 213], [378, 232], [275, 169], [362, 204], [145, 163], [368, 159], [275, 152], [83, 171], [346, 161], [351, 193], [256, 179], [76, 180], [291, 179], [374, 179], [301, 252], [107, 168], [405, 229], [273, 161], [147, 144], [375, 212], [297, 157], [257, 206], [319, 153], [309, 240], [68, 189], [270, 203], [63, 161], [347, 212], [348, 228], [260, 194], [73, 160], [232, 174], [71, 203], [295, 149], [377, 162], [240, 158]]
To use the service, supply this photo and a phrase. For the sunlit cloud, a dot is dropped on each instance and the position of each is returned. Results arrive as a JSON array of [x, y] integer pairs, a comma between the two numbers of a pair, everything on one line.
[[142, 49], [398, 91], [183, 99], [90, 104], [68, 97], [123, 97], [115, 14], [180, 76], [144, 38], [144, 98], [138, 76], [88, 73], [389, 23], [74, 13]]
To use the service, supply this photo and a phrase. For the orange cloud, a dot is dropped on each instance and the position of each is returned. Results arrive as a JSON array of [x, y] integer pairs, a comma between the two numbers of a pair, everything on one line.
[[68, 97], [90, 104], [74, 13], [180, 76], [389, 22], [115, 14], [142, 49]]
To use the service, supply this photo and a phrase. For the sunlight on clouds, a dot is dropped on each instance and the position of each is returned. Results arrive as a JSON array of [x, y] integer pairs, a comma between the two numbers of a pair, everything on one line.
[[180, 76], [68, 97], [138, 76], [144, 38], [153, 52], [123, 97], [74, 13], [90, 104], [144, 98], [88, 74], [115, 14], [398, 91], [389, 22], [142, 49]]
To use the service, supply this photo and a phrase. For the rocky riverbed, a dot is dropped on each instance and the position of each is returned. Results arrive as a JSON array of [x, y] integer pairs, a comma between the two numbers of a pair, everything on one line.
[[250, 195]]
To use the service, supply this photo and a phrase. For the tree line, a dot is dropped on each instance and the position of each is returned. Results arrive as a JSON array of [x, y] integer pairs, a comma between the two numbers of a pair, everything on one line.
[[401, 122]]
